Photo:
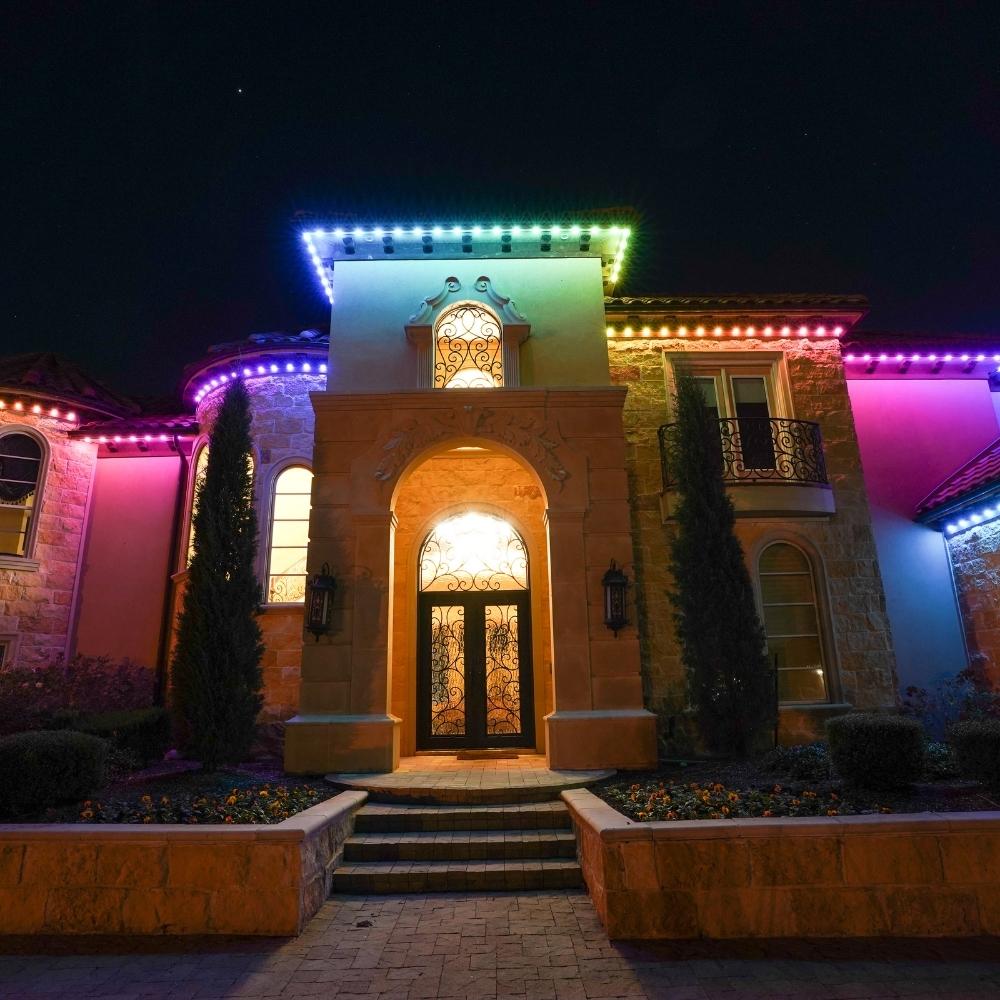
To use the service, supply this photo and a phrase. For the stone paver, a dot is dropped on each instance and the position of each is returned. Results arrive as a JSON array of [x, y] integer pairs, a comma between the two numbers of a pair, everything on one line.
[[545, 945], [444, 778]]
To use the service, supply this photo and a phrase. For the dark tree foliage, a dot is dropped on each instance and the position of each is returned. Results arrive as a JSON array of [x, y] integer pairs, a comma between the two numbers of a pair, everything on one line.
[[722, 641], [216, 671]]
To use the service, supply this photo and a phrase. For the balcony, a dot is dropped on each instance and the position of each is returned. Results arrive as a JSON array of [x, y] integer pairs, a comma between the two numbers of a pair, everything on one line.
[[772, 467]]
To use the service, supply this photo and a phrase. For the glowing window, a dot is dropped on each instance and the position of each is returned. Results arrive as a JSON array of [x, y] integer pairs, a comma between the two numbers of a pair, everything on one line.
[[20, 474], [791, 621], [467, 353], [286, 570], [200, 465], [473, 552]]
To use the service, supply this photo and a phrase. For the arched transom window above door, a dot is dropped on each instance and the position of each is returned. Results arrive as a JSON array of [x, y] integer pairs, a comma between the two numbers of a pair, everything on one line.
[[468, 354], [473, 551]]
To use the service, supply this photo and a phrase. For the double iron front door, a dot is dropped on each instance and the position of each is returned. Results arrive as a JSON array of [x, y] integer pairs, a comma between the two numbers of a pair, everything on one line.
[[474, 663]]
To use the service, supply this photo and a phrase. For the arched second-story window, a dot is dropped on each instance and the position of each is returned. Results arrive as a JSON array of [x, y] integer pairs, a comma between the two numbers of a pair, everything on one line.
[[21, 458], [200, 468], [289, 536], [200, 465], [792, 623], [468, 348]]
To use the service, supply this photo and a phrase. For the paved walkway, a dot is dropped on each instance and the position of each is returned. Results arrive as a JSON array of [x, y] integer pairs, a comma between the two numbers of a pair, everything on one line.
[[448, 779], [542, 945]]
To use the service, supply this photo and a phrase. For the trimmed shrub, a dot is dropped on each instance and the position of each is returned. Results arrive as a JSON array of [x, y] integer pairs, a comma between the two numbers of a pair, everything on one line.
[[47, 767], [876, 751], [143, 732], [46, 697], [977, 745], [809, 762]]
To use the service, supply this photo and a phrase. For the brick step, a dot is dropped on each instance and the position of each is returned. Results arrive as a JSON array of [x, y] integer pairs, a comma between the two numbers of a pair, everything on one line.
[[384, 818], [455, 876], [460, 845]]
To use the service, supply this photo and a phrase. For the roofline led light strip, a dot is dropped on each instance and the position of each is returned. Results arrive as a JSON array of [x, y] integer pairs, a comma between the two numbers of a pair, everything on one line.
[[782, 332], [36, 409], [260, 371], [459, 232]]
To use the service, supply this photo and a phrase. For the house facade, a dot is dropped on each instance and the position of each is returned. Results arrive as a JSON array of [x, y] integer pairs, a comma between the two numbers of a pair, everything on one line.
[[474, 450]]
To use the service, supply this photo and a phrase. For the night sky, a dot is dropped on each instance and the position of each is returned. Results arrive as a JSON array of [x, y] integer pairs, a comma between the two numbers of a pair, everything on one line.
[[155, 155]]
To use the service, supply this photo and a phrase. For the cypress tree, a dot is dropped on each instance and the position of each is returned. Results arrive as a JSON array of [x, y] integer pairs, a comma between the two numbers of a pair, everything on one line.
[[216, 666], [722, 641]]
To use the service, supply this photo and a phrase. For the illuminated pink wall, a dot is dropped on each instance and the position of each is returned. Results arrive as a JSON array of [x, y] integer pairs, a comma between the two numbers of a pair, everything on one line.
[[913, 434], [128, 557]]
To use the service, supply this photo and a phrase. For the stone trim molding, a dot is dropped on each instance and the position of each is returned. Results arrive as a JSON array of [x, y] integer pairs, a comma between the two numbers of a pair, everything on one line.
[[921, 875], [119, 878]]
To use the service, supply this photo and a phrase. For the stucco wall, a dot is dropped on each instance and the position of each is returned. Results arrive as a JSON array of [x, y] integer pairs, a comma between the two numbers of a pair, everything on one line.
[[945, 423], [975, 556], [927, 875], [488, 481], [842, 546], [562, 299], [128, 557], [37, 601]]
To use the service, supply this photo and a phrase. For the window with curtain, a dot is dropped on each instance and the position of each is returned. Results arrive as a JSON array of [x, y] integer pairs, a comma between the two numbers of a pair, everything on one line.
[[792, 623], [289, 541], [20, 474]]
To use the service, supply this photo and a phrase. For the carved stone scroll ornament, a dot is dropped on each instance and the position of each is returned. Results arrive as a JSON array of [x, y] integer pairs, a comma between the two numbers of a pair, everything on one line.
[[522, 434]]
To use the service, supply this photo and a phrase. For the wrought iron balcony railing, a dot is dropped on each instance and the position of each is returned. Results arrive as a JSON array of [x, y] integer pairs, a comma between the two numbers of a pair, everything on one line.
[[760, 449]]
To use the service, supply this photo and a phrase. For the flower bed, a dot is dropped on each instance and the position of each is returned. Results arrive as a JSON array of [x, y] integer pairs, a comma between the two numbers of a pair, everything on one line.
[[658, 800], [250, 804]]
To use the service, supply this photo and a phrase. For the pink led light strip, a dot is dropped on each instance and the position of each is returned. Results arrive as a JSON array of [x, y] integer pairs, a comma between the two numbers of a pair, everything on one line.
[[781, 332], [132, 438], [37, 410]]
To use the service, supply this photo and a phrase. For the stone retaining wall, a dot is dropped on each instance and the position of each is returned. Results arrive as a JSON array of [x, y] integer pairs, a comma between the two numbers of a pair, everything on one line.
[[125, 879], [926, 875]]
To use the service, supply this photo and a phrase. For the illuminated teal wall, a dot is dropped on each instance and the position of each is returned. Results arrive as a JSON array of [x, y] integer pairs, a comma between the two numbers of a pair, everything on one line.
[[562, 299]]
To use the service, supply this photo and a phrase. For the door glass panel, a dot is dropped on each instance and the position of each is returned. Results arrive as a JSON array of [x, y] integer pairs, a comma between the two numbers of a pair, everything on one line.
[[750, 396], [752, 417], [503, 671], [447, 670]]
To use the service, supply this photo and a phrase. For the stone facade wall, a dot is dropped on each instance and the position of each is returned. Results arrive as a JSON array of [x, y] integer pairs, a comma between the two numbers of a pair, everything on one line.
[[282, 429], [864, 672], [975, 559], [929, 875], [493, 482], [37, 601], [172, 880]]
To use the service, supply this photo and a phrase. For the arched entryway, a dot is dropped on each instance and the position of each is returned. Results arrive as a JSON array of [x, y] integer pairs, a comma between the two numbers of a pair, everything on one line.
[[471, 640], [474, 679]]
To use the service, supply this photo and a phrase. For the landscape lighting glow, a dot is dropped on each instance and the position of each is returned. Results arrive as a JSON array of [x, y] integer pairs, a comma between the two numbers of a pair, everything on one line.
[[290, 368], [768, 332], [547, 233]]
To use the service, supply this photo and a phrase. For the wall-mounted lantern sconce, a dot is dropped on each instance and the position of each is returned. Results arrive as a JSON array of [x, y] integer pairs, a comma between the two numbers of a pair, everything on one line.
[[319, 609], [615, 598]]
